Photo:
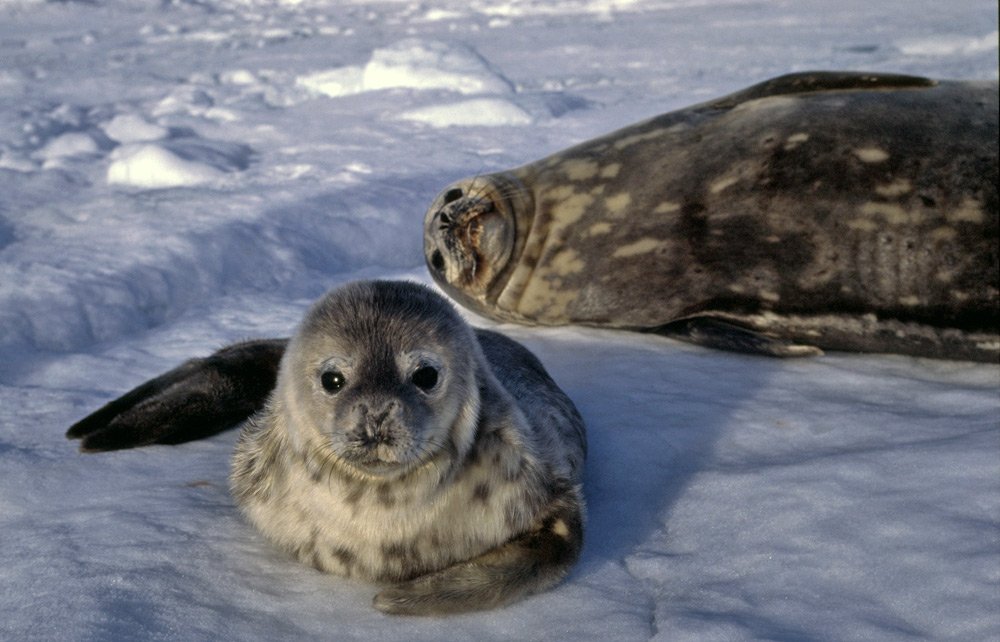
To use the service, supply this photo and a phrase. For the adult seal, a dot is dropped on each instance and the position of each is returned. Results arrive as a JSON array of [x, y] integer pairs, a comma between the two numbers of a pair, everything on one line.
[[842, 211], [401, 446]]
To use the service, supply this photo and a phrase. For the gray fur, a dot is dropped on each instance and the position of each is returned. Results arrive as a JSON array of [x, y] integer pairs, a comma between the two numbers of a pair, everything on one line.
[[824, 210], [464, 494]]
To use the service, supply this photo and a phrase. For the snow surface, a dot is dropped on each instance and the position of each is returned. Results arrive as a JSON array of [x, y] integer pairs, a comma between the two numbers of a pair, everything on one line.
[[178, 175]]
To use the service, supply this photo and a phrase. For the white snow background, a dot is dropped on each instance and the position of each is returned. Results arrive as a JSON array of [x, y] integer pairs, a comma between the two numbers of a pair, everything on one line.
[[178, 175]]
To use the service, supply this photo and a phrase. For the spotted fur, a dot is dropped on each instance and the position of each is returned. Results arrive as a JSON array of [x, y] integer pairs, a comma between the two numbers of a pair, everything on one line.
[[465, 494], [820, 210]]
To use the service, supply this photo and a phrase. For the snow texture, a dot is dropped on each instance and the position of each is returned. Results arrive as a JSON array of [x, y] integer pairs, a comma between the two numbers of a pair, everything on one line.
[[179, 175]]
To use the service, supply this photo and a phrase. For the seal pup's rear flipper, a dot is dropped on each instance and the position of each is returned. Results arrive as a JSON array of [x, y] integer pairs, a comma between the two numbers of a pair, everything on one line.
[[199, 398], [530, 563], [722, 335]]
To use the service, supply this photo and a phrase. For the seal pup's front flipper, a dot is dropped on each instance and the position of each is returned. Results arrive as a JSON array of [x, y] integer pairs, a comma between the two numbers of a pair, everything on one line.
[[197, 399], [722, 335], [530, 563]]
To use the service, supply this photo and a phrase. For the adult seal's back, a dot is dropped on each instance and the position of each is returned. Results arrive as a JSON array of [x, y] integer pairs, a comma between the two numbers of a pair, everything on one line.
[[841, 211]]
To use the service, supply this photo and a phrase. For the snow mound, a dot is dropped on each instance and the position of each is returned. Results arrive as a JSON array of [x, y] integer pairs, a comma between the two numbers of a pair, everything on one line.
[[342, 81], [152, 166], [478, 111], [413, 64], [15, 161], [186, 99], [184, 162], [599, 8], [132, 128], [71, 145], [949, 45]]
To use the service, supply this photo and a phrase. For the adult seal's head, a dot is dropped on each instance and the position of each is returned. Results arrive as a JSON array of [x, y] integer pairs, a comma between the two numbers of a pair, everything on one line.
[[402, 446], [474, 234]]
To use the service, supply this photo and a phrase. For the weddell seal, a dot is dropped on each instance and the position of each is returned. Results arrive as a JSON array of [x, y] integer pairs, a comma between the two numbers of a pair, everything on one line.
[[841, 211], [400, 445]]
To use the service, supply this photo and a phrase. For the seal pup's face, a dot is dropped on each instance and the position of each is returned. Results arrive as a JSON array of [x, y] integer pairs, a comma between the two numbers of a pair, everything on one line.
[[382, 380], [471, 234]]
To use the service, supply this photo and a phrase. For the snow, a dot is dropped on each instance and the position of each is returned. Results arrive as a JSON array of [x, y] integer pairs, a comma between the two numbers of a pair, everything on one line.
[[176, 176], [478, 111], [412, 64], [132, 128], [184, 161], [154, 166]]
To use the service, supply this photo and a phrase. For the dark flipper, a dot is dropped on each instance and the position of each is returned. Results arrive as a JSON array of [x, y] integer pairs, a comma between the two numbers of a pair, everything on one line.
[[194, 400], [713, 333]]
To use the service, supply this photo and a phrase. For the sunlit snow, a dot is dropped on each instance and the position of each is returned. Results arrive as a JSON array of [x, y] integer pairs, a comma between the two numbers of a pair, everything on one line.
[[175, 176]]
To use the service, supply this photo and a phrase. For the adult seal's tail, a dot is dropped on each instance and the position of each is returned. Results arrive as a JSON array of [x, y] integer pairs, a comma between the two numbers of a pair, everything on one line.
[[841, 211]]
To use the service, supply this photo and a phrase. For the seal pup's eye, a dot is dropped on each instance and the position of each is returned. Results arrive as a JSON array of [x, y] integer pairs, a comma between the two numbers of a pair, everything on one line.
[[425, 378], [332, 381], [452, 195]]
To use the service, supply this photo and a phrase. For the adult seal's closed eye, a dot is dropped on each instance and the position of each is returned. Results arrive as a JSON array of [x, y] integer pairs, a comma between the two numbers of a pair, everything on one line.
[[402, 446], [841, 211]]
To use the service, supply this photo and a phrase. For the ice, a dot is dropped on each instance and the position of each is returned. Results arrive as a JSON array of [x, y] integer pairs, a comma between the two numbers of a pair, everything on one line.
[[950, 45], [479, 111], [335, 82], [186, 99], [71, 144], [181, 162], [151, 166], [413, 64], [423, 64], [177, 176], [132, 128]]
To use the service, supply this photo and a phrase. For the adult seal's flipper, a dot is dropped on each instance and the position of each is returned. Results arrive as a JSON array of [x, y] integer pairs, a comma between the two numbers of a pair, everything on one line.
[[199, 398], [714, 333]]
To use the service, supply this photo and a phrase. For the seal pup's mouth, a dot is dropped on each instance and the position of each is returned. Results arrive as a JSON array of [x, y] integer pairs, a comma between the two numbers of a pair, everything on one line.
[[386, 457]]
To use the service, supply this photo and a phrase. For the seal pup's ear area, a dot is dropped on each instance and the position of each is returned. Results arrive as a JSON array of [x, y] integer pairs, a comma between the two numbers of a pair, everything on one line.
[[529, 563], [199, 398], [722, 335]]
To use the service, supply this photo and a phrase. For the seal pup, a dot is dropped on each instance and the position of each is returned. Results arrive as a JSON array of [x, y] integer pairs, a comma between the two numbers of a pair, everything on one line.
[[402, 446], [821, 210]]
